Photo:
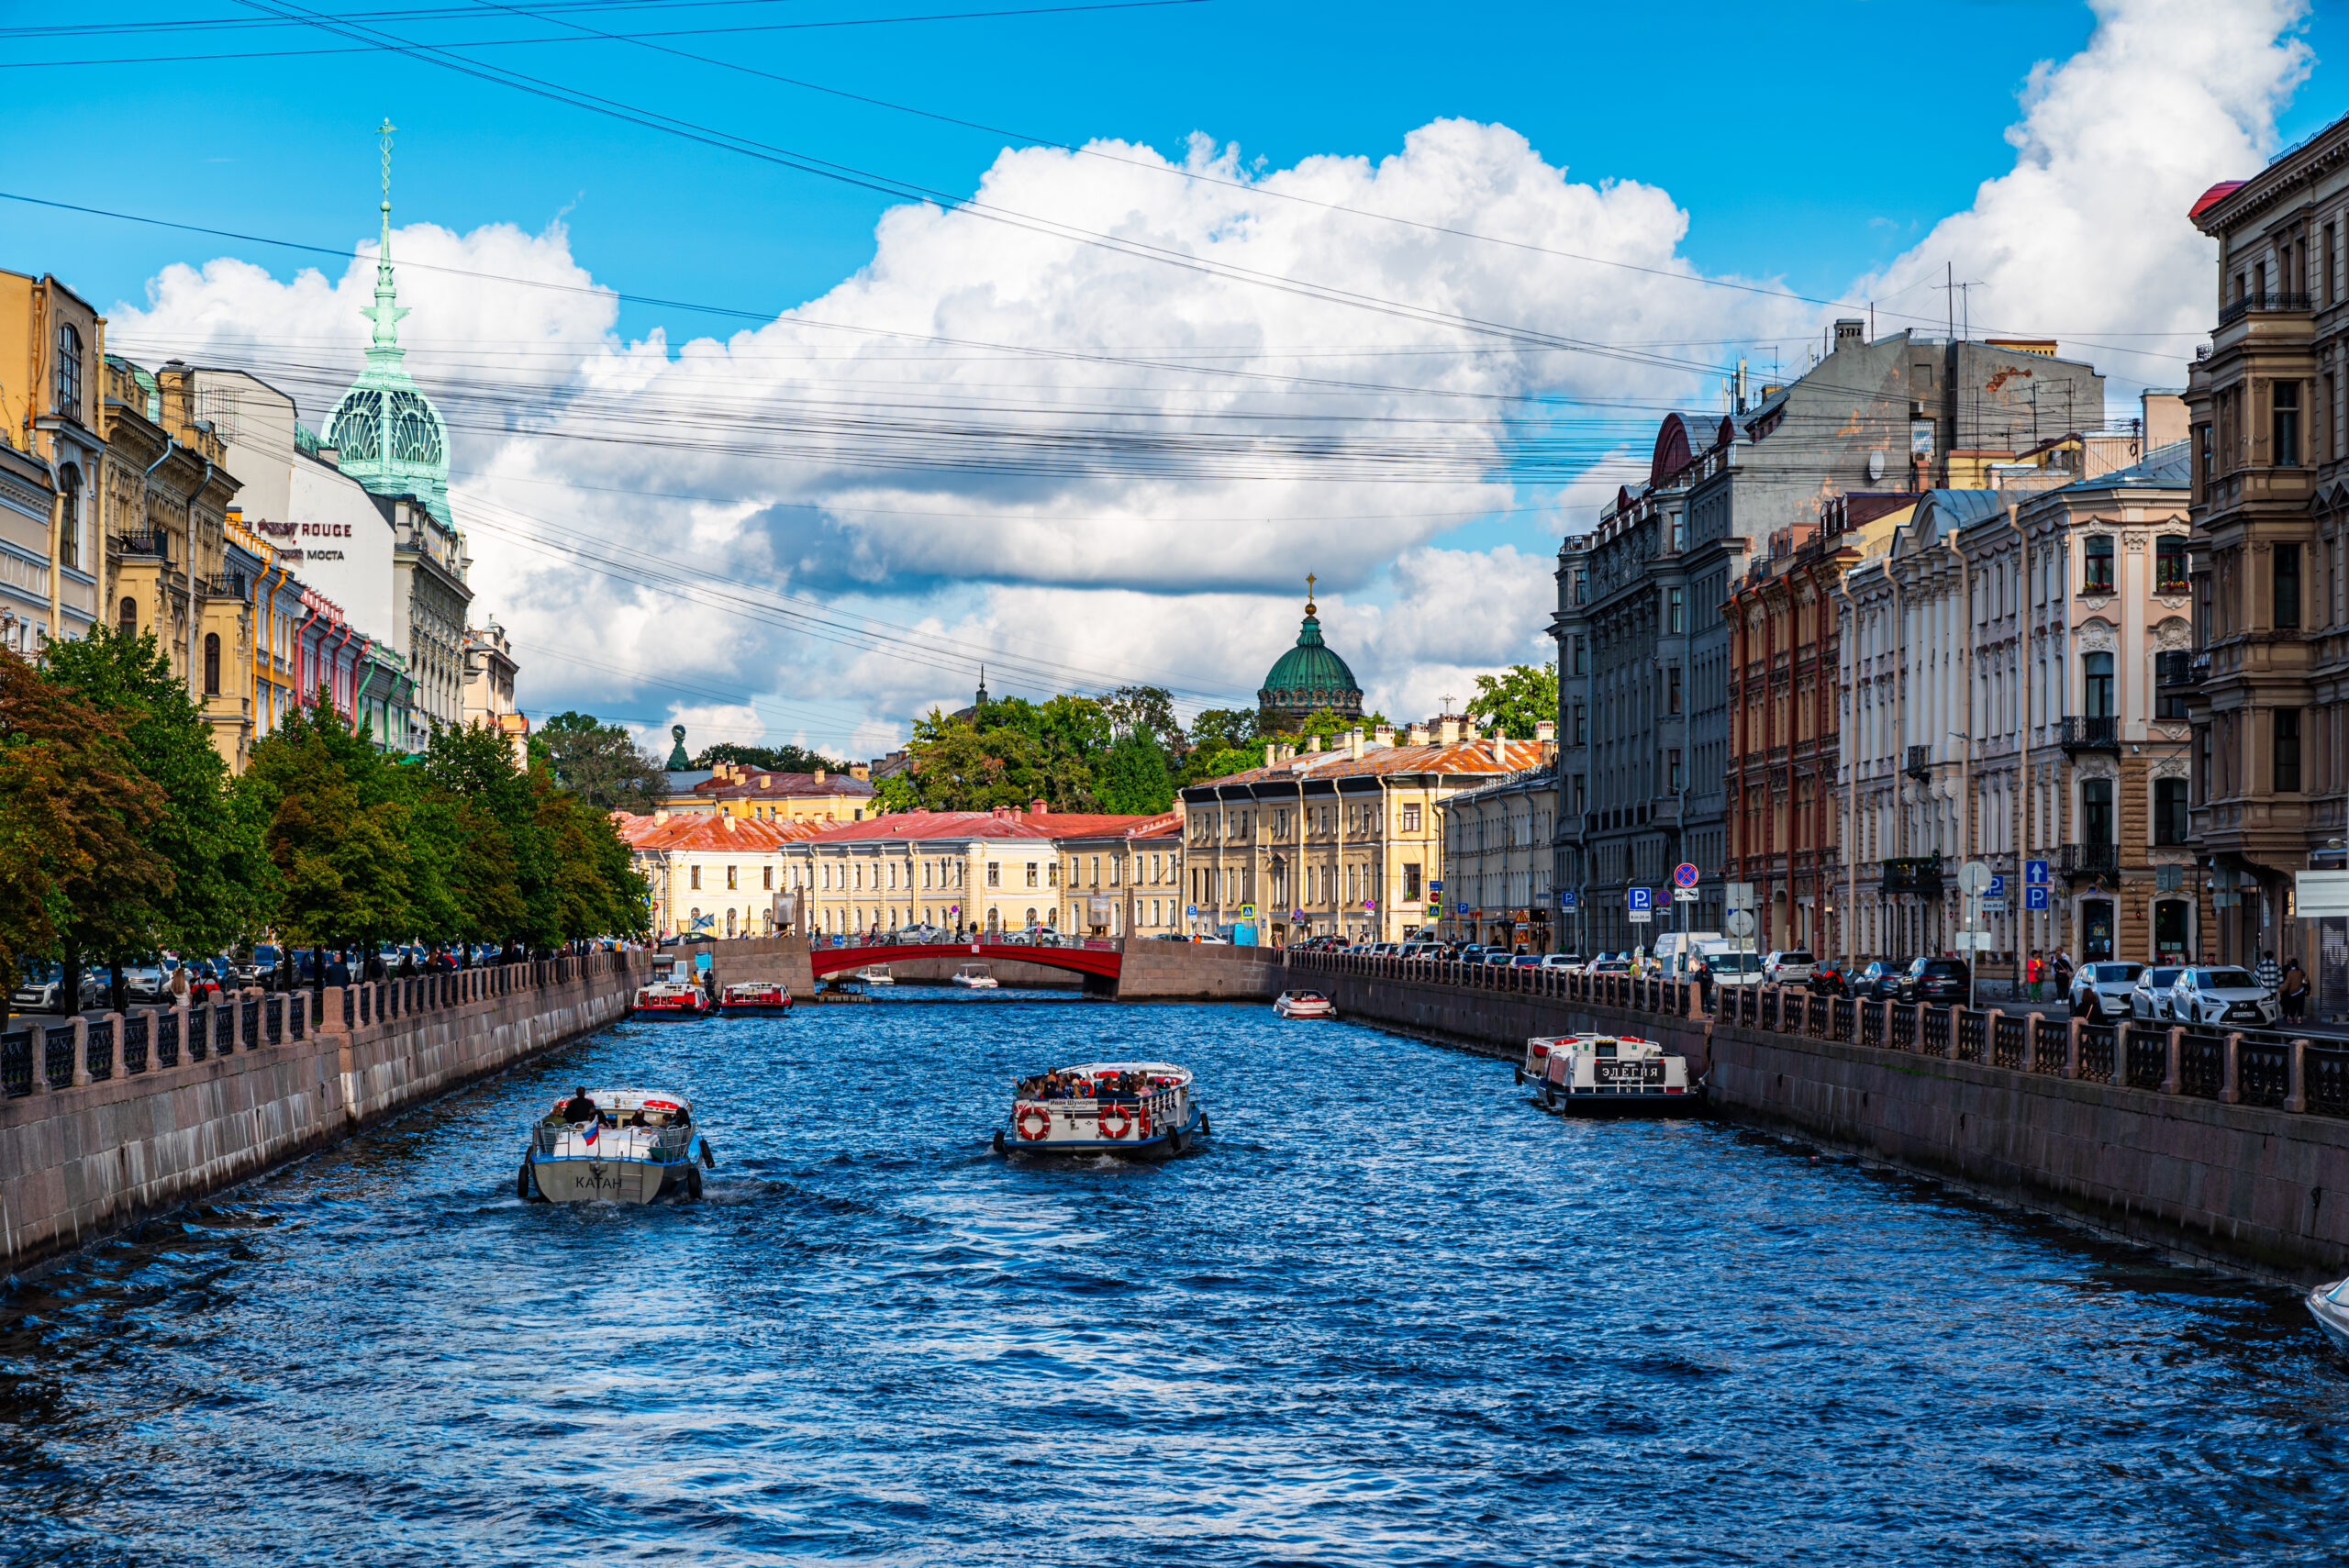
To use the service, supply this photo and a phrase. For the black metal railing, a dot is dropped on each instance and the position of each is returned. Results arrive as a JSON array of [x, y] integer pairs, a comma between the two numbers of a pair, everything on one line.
[[2089, 859], [296, 1015], [1971, 1033], [167, 1038], [2180, 667], [2148, 1059], [1916, 874], [2078, 733], [97, 1050], [2325, 1079], [2201, 1064], [273, 1019], [57, 1065], [2049, 1047], [16, 1062], [158, 545], [1934, 1040], [1904, 1026], [2011, 1047], [2235, 310], [251, 1029], [199, 1030], [2100, 1053], [1872, 1025], [227, 585], [134, 1043], [1920, 763], [2262, 1073], [1843, 1015]]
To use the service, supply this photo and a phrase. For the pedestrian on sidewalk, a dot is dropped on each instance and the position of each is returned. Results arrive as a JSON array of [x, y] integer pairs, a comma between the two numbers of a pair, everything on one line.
[[2034, 974], [2296, 990], [2267, 973]]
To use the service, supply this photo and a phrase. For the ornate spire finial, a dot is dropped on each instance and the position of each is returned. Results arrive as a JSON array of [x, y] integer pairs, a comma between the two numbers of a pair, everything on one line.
[[1309, 581], [386, 313]]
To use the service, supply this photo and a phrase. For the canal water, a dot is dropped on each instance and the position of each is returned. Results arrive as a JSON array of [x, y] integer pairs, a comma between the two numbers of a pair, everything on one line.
[[1392, 1315]]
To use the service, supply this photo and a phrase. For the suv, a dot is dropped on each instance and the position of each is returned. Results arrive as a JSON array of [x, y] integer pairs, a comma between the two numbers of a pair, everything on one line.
[[1788, 966], [2150, 1000], [1940, 981], [1879, 981], [2202, 996], [2100, 991]]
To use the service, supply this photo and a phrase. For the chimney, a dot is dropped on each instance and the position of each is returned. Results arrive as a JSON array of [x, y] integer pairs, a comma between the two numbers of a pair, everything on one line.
[[1849, 332], [1501, 752], [1447, 730], [1313, 742], [729, 820], [1353, 742], [1545, 730], [1272, 754], [819, 775], [1383, 735], [766, 781], [861, 771], [660, 815], [1416, 736], [1036, 806]]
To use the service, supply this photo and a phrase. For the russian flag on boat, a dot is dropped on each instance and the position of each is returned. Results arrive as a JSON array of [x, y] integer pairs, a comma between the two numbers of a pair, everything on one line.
[[588, 1137]]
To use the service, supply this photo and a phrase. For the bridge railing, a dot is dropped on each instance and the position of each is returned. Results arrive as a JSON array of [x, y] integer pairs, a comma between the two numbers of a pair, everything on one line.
[[2262, 1068]]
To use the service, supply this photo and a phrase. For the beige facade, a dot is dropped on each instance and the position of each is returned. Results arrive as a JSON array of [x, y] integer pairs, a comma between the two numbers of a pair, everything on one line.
[[489, 673], [824, 797], [715, 874], [992, 871], [1498, 856], [1128, 881], [1343, 841]]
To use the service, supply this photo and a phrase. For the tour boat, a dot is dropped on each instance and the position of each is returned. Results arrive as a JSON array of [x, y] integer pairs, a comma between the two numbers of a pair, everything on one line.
[[2329, 1304], [1585, 1074], [1537, 1056], [643, 1145], [876, 974], [754, 999], [1143, 1108], [670, 1002], [974, 977], [1304, 1005]]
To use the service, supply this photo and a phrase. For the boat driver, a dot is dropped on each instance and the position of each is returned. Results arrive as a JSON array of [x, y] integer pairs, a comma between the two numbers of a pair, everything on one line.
[[579, 1107]]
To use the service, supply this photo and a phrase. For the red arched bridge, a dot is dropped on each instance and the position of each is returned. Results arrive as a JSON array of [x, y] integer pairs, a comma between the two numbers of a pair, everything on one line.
[[1097, 956]]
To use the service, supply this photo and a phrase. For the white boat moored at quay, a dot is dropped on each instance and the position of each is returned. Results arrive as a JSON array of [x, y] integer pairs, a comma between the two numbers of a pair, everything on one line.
[[1603, 1074], [640, 1144], [670, 1001], [1304, 1005], [754, 999], [2330, 1306], [1145, 1108], [974, 977], [876, 974]]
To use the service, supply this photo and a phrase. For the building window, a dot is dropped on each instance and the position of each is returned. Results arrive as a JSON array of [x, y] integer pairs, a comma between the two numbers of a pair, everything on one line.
[[2097, 670], [1672, 769], [2097, 575], [2287, 559], [995, 873], [1582, 657], [2096, 811], [2288, 750], [2169, 811], [1582, 726], [67, 382], [730, 879], [1582, 585], [695, 882], [1581, 794], [1411, 816], [2285, 412], [212, 666], [68, 532], [1410, 882], [127, 619], [1679, 531], [767, 878], [1032, 873], [1675, 611], [2169, 564], [1671, 686]]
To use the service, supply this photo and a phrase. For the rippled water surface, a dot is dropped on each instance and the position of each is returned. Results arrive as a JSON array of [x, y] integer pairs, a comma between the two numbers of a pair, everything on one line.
[[1393, 1315]]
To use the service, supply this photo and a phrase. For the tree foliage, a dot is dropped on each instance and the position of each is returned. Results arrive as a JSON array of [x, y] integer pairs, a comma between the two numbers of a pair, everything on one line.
[[1514, 702], [769, 758], [600, 762]]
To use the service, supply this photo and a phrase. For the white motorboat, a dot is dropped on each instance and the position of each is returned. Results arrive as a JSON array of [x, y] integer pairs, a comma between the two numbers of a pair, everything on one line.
[[642, 1144], [1537, 1055], [974, 977], [1304, 1005], [1143, 1108], [2330, 1306], [670, 1001], [876, 974], [1605, 1074]]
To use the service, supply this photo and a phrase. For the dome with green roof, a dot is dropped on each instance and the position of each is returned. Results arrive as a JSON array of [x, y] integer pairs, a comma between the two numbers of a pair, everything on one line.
[[1308, 679]]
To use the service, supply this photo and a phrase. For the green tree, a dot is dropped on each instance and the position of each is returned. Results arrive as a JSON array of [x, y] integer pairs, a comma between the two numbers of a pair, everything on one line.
[[502, 884], [204, 905], [601, 762], [769, 758], [1147, 710], [954, 767], [1134, 777], [1514, 702], [1223, 728], [334, 816], [76, 815], [597, 891]]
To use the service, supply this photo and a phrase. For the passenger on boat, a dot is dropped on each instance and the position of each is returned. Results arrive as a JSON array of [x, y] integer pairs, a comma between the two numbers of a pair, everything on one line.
[[579, 1107]]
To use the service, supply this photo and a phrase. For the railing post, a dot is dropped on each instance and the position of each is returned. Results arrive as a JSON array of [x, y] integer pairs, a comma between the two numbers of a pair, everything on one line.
[[2169, 1077], [2072, 1048], [1990, 1039], [2229, 1091], [80, 1052], [2296, 1086], [181, 1008]]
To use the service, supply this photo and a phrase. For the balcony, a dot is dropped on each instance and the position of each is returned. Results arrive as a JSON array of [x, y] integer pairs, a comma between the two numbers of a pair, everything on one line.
[[231, 585], [2231, 313], [2181, 670], [1921, 765], [1919, 874], [2078, 734], [155, 546], [2086, 862]]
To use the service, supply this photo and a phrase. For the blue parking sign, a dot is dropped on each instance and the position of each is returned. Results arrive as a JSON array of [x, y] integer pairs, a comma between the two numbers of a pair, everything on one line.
[[1566, 898], [1997, 885], [2035, 897], [1639, 898], [2034, 874]]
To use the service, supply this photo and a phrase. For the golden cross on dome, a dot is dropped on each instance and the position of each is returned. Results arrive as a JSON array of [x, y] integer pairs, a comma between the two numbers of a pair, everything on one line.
[[1309, 581]]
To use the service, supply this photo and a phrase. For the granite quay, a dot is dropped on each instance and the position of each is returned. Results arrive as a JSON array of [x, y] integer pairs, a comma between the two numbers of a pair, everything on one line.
[[2221, 1147]]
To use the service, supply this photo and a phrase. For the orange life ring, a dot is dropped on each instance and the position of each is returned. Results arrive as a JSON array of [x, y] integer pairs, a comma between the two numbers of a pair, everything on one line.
[[1125, 1121], [1043, 1115]]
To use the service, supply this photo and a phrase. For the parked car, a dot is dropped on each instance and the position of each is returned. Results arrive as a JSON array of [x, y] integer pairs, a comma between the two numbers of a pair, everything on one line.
[[41, 987], [2150, 999], [1880, 981], [1938, 981], [1569, 961], [260, 969], [144, 980], [1788, 966], [2100, 991], [1526, 961], [1611, 963], [2221, 996]]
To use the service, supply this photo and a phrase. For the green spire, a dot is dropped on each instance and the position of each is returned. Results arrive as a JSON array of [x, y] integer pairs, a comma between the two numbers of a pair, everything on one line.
[[387, 433]]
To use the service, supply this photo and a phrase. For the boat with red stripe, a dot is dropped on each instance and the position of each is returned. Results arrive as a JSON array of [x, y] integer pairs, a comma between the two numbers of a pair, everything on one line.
[[1146, 1110]]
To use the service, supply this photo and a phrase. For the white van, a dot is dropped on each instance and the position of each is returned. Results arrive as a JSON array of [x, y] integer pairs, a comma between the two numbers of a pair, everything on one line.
[[1676, 950], [1730, 965]]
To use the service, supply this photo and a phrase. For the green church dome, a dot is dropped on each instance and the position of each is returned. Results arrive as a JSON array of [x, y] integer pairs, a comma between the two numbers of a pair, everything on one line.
[[1307, 679]]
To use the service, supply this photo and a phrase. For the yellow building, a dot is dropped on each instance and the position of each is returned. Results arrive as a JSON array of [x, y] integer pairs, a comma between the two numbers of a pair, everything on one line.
[[822, 796], [53, 349]]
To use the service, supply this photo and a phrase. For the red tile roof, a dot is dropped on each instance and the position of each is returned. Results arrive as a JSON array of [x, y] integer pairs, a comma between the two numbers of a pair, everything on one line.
[[709, 832], [757, 784], [915, 826]]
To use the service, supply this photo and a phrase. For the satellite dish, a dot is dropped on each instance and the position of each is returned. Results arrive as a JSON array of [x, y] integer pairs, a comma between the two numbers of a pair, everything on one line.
[[1876, 464]]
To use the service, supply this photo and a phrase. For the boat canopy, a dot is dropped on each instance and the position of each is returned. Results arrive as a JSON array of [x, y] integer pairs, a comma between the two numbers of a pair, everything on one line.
[[628, 1101]]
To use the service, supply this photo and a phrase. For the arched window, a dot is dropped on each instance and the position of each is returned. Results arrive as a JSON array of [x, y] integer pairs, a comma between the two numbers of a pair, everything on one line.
[[66, 381], [127, 619], [212, 664]]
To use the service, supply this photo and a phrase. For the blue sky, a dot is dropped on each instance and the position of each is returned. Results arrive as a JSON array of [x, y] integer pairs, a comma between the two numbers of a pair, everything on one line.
[[1830, 148]]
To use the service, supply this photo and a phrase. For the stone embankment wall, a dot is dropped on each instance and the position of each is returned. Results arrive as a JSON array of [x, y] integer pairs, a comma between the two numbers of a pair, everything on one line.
[[2149, 1134], [108, 1121], [1198, 972]]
